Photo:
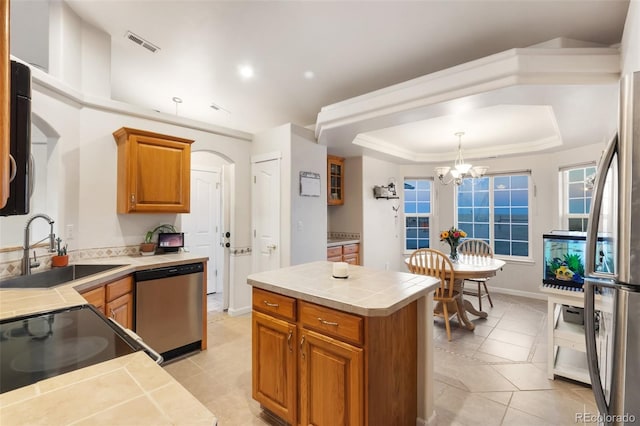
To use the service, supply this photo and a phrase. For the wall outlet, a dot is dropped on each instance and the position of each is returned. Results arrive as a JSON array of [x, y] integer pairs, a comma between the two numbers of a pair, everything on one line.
[[69, 232]]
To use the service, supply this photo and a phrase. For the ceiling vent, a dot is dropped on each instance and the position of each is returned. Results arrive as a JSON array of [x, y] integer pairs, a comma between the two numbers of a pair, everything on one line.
[[142, 42]]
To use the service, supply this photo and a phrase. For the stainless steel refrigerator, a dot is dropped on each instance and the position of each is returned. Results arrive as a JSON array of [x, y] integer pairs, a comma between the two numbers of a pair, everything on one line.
[[612, 282]]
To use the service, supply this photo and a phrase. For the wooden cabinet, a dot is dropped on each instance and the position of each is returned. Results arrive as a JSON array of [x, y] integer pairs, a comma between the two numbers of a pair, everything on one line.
[[153, 172], [274, 372], [316, 365], [335, 180], [331, 381], [349, 253], [5, 106], [95, 297], [115, 300]]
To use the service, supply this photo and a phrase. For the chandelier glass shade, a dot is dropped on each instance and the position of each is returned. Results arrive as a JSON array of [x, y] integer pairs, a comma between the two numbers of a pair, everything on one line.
[[460, 170]]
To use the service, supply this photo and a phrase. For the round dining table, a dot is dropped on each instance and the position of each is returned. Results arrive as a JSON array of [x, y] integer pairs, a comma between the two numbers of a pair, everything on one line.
[[470, 267]]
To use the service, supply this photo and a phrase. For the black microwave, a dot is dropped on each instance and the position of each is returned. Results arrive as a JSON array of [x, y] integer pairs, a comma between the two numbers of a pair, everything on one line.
[[20, 141]]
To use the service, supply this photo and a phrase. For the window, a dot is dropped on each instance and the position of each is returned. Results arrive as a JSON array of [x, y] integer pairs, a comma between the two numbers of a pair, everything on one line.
[[496, 209], [417, 213], [576, 200]]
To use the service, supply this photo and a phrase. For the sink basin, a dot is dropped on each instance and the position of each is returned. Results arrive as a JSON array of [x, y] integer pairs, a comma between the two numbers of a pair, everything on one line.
[[55, 276]]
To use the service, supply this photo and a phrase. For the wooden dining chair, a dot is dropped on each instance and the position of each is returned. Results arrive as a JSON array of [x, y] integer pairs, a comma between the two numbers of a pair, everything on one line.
[[477, 247], [437, 264]]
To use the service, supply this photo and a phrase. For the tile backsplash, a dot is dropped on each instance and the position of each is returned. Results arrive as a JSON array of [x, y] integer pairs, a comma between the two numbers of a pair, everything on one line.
[[343, 235], [12, 267]]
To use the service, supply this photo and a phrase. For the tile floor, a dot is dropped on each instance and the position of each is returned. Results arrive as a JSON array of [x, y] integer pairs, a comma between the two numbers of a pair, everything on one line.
[[495, 375]]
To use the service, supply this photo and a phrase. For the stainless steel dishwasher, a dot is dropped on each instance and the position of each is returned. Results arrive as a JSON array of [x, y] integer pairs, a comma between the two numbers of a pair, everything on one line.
[[168, 315]]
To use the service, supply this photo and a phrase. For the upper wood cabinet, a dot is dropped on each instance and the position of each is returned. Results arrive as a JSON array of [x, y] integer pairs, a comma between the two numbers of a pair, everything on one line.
[[153, 172], [5, 108], [335, 180]]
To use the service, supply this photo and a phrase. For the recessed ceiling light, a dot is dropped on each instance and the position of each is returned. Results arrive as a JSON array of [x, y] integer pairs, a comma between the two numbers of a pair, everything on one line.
[[309, 75], [246, 72]]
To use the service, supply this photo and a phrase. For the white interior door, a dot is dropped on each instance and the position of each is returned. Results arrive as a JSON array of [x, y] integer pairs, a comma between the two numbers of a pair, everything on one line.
[[265, 201], [202, 225]]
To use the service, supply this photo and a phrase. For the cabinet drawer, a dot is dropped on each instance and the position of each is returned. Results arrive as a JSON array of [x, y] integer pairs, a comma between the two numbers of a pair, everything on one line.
[[351, 258], [334, 251], [119, 288], [333, 323], [350, 248], [274, 304], [95, 297]]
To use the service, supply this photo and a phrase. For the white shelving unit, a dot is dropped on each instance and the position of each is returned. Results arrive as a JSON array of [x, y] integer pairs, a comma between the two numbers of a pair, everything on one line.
[[566, 341]]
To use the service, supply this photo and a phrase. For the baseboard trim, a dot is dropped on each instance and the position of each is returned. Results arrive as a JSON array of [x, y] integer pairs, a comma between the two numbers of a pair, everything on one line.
[[521, 293], [237, 312]]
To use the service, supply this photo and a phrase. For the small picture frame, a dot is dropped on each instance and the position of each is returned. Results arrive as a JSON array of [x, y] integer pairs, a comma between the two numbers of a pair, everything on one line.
[[309, 184]]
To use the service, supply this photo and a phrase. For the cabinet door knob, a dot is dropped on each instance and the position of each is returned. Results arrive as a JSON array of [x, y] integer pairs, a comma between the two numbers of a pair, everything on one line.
[[271, 246], [271, 305], [133, 199], [301, 345], [289, 336]]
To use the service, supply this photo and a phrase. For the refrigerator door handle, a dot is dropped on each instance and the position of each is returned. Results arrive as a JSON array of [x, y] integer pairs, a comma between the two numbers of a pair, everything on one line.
[[592, 351], [596, 207]]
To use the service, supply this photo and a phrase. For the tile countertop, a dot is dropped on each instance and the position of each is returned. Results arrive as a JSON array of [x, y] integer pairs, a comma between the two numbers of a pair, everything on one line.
[[131, 387], [367, 292], [16, 302], [332, 242]]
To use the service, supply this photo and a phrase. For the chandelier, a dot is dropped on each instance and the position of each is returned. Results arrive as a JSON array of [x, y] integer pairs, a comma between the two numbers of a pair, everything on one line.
[[460, 169]]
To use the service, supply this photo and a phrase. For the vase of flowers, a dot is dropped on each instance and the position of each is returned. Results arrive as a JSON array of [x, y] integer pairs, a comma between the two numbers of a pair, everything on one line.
[[452, 237]]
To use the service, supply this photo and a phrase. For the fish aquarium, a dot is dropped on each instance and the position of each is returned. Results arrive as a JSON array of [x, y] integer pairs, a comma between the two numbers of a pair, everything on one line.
[[564, 258]]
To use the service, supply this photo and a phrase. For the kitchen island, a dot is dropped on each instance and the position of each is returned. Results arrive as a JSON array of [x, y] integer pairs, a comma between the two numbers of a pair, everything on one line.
[[345, 351], [130, 389]]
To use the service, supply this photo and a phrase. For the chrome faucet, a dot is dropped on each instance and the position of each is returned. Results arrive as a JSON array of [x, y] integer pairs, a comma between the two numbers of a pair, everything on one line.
[[26, 262]]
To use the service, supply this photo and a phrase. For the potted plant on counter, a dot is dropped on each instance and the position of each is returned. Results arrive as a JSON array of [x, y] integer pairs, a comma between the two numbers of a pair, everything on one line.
[[148, 247], [61, 258]]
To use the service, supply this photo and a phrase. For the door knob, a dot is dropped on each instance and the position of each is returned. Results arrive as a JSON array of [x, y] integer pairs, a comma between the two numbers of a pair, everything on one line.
[[271, 246]]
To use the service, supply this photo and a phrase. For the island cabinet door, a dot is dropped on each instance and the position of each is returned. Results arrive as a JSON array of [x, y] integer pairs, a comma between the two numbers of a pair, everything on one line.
[[331, 381], [274, 366]]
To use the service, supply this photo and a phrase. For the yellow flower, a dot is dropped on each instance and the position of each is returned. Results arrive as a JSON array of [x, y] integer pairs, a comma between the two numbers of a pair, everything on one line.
[[463, 234], [444, 235]]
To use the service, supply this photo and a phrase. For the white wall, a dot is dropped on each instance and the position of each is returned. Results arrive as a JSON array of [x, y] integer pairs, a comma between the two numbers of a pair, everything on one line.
[[30, 38], [381, 237], [308, 224], [65, 44], [298, 152], [96, 62], [630, 46]]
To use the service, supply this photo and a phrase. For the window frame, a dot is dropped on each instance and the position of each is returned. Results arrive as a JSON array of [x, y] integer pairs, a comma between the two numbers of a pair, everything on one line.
[[492, 223], [563, 176], [429, 215]]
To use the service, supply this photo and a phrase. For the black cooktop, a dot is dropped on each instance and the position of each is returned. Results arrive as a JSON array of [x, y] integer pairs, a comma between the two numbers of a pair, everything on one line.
[[36, 347]]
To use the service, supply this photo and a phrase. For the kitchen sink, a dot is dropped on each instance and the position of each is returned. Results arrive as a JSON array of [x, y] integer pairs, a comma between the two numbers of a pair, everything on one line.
[[55, 276]]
